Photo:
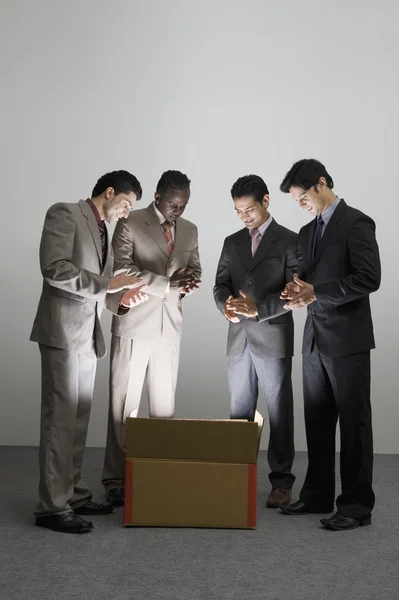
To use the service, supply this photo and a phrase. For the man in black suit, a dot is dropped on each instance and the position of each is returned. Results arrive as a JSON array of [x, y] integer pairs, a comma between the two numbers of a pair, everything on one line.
[[254, 264], [339, 266]]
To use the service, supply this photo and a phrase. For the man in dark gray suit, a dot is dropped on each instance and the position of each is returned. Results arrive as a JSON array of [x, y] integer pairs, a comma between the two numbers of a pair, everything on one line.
[[76, 261], [339, 267], [253, 265]]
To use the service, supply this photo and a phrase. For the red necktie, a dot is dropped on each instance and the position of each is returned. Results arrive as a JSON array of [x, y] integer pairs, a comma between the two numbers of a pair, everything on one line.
[[256, 239], [167, 231]]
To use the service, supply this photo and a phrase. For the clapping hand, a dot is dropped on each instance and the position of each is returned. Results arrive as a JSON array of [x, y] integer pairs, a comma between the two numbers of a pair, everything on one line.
[[134, 297], [244, 305], [298, 293]]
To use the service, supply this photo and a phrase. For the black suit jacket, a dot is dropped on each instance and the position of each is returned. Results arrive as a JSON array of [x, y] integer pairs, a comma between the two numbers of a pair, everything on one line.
[[345, 270], [263, 276]]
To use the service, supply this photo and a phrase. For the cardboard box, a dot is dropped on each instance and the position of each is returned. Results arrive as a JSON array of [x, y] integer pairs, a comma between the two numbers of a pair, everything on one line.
[[191, 473]]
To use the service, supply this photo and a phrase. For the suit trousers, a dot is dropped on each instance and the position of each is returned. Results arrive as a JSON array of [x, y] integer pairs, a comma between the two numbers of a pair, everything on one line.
[[274, 376], [338, 388], [67, 391], [133, 362]]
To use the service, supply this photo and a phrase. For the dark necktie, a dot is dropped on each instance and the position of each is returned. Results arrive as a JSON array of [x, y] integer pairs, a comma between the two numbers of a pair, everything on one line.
[[103, 235], [318, 234]]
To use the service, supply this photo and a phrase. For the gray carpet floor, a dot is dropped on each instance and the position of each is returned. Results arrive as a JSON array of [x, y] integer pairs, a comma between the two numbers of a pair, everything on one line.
[[284, 558]]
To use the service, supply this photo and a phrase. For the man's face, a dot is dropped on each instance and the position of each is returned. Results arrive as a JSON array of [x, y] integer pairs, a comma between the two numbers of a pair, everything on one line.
[[118, 206], [172, 204], [252, 212], [312, 200]]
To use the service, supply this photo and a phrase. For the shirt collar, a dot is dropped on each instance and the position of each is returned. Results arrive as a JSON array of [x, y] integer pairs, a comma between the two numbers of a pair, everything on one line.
[[95, 211], [262, 228], [328, 213]]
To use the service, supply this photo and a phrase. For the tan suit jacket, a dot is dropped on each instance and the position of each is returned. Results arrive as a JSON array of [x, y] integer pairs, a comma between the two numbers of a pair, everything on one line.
[[139, 246], [74, 281]]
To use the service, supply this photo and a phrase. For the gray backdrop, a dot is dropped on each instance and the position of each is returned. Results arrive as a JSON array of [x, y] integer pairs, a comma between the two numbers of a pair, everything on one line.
[[217, 89]]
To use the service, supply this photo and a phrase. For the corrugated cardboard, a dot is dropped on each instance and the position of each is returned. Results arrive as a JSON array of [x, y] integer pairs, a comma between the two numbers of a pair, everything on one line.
[[191, 473]]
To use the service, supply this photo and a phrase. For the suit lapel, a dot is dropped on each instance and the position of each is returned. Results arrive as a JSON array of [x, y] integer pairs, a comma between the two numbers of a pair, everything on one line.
[[330, 229], [311, 234], [92, 225], [154, 229], [244, 247], [266, 244], [179, 237]]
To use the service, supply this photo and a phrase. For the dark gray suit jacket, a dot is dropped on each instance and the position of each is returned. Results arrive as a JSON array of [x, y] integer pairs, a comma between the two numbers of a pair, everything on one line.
[[263, 277], [345, 270]]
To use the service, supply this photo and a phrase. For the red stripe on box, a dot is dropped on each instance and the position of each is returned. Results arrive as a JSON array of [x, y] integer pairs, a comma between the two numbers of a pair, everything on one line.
[[128, 514], [252, 480]]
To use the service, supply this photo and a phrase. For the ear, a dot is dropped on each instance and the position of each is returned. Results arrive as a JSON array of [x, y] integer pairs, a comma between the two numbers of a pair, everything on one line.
[[156, 197], [109, 194], [266, 200]]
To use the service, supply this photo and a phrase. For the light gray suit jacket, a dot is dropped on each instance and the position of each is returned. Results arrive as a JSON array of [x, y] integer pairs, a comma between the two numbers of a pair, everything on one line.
[[139, 246], [74, 281]]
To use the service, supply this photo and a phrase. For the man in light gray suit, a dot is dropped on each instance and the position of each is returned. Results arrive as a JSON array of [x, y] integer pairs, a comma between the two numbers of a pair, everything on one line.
[[162, 248], [76, 262], [254, 263]]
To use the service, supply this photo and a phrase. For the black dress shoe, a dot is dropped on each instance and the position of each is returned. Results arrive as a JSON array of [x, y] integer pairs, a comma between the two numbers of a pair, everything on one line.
[[339, 522], [92, 508], [116, 496], [300, 508], [67, 523]]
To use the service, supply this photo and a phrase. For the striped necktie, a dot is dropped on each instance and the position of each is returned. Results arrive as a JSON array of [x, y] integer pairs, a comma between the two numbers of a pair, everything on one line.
[[256, 239], [167, 231]]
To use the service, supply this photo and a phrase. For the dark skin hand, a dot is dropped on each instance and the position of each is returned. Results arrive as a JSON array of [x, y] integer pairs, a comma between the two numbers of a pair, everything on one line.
[[184, 281]]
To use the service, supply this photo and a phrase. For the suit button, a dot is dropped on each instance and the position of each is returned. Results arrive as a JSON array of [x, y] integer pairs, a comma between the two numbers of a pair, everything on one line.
[[313, 312], [249, 281], [313, 272]]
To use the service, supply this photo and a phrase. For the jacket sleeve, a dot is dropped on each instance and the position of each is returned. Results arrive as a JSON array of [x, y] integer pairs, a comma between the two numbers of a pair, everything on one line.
[[194, 260], [56, 252], [365, 265], [223, 287]]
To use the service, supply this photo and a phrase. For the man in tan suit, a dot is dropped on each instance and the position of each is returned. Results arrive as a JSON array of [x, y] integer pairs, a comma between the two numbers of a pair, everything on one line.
[[76, 262], [162, 248]]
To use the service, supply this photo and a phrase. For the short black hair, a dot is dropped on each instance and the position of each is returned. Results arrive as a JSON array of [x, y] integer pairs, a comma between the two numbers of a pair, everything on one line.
[[250, 185], [305, 174], [173, 179], [123, 182]]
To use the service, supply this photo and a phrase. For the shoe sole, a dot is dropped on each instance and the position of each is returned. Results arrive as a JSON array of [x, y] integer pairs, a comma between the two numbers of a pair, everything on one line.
[[308, 512], [89, 513], [293, 514], [328, 525], [59, 530]]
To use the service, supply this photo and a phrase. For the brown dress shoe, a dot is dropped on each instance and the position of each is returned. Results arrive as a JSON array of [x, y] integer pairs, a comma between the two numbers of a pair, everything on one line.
[[278, 496]]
